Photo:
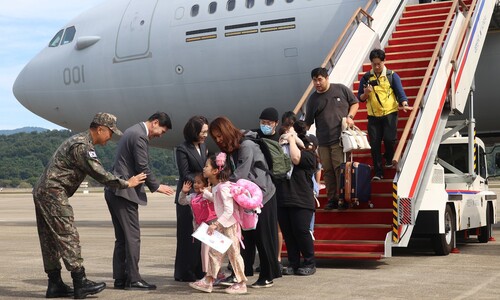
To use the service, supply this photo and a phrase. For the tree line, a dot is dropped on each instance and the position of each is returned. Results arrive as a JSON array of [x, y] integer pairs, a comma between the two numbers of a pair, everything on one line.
[[23, 157]]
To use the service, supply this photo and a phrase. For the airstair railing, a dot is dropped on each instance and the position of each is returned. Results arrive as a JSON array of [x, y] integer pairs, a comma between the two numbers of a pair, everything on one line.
[[356, 18], [463, 31], [437, 52]]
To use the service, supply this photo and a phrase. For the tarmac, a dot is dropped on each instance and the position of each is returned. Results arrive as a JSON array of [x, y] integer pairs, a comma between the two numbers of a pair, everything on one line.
[[412, 273]]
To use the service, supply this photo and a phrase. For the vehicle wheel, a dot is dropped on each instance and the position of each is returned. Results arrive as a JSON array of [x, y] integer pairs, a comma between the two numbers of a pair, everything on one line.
[[444, 243], [485, 231]]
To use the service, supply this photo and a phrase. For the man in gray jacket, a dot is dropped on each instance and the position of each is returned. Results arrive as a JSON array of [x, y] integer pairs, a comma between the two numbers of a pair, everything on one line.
[[132, 155]]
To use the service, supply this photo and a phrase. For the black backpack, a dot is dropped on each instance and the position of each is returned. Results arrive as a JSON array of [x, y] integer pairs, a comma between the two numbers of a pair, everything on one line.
[[388, 73]]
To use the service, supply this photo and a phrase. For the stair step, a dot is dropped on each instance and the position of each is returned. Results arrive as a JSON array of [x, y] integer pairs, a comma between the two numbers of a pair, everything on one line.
[[410, 26], [378, 200], [351, 247], [409, 48], [359, 216], [429, 6], [426, 12], [414, 40], [421, 19], [417, 32], [351, 231]]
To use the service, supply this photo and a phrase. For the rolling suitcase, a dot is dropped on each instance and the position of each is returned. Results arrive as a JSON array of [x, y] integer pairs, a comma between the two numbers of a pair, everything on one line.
[[355, 184]]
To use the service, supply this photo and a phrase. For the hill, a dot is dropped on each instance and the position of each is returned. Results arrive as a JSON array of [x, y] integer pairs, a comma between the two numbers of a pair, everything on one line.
[[23, 129], [25, 155]]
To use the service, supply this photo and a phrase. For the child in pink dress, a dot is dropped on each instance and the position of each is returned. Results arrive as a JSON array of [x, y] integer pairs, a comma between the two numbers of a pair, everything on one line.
[[217, 171], [203, 210]]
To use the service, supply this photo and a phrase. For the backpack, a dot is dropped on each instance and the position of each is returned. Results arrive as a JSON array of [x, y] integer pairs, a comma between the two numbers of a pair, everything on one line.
[[277, 161], [388, 73], [247, 198], [203, 210]]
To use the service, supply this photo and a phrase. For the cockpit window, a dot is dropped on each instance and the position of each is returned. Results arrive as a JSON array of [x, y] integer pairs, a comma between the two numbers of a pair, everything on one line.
[[249, 3], [54, 42], [212, 7], [231, 4], [289, 1], [269, 2], [69, 34], [194, 10]]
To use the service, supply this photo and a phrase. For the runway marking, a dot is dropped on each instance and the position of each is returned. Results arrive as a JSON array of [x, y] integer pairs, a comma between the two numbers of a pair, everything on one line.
[[477, 288]]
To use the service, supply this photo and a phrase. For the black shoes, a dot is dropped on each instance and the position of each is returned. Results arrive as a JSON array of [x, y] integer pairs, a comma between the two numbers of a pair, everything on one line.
[[332, 204], [56, 287], [84, 287], [140, 285], [120, 284], [262, 284], [288, 271], [306, 271]]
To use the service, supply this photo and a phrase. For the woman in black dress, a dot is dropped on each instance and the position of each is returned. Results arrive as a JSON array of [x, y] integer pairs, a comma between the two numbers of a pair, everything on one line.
[[191, 156]]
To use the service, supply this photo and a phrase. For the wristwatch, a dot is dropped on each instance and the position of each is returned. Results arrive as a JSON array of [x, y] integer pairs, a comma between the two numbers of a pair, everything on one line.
[[351, 117]]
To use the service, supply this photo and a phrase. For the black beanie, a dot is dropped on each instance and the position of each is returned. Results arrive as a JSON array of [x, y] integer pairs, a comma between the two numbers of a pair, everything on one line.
[[270, 114]]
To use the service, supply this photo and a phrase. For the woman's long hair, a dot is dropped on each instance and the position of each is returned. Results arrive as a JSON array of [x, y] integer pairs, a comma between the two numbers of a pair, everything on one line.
[[230, 136]]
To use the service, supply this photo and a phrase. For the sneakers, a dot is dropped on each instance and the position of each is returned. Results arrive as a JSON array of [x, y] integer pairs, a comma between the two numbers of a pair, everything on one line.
[[237, 288], [262, 284], [332, 204], [376, 177], [230, 280], [388, 165], [288, 271], [201, 285], [343, 205], [220, 277], [306, 271]]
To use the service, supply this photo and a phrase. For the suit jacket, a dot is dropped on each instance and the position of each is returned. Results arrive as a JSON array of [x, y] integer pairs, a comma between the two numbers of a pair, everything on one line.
[[189, 162], [132, 157]]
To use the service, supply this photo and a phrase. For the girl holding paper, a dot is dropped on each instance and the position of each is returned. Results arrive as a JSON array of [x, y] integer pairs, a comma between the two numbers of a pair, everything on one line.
[[217, 171]]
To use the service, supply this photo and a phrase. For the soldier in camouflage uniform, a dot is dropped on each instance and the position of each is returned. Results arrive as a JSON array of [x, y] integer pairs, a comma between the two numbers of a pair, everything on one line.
[[73, 160]]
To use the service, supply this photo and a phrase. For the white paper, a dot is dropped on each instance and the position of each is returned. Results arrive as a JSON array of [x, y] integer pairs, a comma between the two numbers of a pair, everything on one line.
[[217, 240]]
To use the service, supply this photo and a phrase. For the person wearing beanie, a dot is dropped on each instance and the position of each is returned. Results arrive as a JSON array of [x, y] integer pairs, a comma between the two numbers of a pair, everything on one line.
[[268, 121]]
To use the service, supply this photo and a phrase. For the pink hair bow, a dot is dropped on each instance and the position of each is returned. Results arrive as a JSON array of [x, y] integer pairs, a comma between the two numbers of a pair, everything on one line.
[[220, 160]]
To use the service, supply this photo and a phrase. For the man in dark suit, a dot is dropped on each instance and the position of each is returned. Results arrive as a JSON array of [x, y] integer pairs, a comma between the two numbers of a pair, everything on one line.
[[132, 155]]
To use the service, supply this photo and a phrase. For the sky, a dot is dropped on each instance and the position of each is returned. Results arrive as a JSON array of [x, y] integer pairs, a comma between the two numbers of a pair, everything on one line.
[[26, 27]]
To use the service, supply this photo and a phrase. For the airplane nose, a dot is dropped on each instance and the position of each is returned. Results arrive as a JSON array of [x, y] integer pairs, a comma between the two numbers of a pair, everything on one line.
[[19, 88]]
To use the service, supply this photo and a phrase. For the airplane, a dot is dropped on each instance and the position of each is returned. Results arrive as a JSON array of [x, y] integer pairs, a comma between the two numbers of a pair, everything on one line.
[[221, 57]]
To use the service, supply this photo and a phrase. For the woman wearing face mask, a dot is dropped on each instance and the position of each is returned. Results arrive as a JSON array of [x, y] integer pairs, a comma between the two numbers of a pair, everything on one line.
[[268, 124]]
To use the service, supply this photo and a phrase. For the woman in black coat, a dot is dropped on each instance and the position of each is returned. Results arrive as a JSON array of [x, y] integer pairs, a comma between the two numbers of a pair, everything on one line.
[[191, 156]]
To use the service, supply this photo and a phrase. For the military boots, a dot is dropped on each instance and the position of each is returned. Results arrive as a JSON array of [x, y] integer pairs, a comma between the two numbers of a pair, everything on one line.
[[84, 287], [57, 288]]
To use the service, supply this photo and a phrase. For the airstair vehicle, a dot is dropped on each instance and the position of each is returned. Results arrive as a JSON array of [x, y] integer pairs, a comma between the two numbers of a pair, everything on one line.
[[438, 188]]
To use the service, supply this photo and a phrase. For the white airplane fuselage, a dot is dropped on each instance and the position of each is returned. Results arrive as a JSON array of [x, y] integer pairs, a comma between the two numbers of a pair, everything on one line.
[[152, 55]]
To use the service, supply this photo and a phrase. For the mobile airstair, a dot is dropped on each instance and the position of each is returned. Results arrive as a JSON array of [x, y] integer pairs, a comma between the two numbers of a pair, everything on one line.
[[434, 48]]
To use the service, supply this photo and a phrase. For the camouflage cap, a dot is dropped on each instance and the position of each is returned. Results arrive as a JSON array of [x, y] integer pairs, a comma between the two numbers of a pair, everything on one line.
[[107, 120]]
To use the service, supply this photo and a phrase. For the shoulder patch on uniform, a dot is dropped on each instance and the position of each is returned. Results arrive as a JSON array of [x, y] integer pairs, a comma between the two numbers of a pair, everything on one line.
[[92, 154]]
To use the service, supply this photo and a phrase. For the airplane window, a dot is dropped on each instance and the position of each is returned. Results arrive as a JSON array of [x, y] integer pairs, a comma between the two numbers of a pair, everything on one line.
[[249, 3], [269, 2], [194, 10], [231, 4], [68, 35], [54, 42], [212, 7]]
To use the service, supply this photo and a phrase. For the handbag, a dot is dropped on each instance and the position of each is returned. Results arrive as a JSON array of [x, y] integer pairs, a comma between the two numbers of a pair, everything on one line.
[[352, 139]]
